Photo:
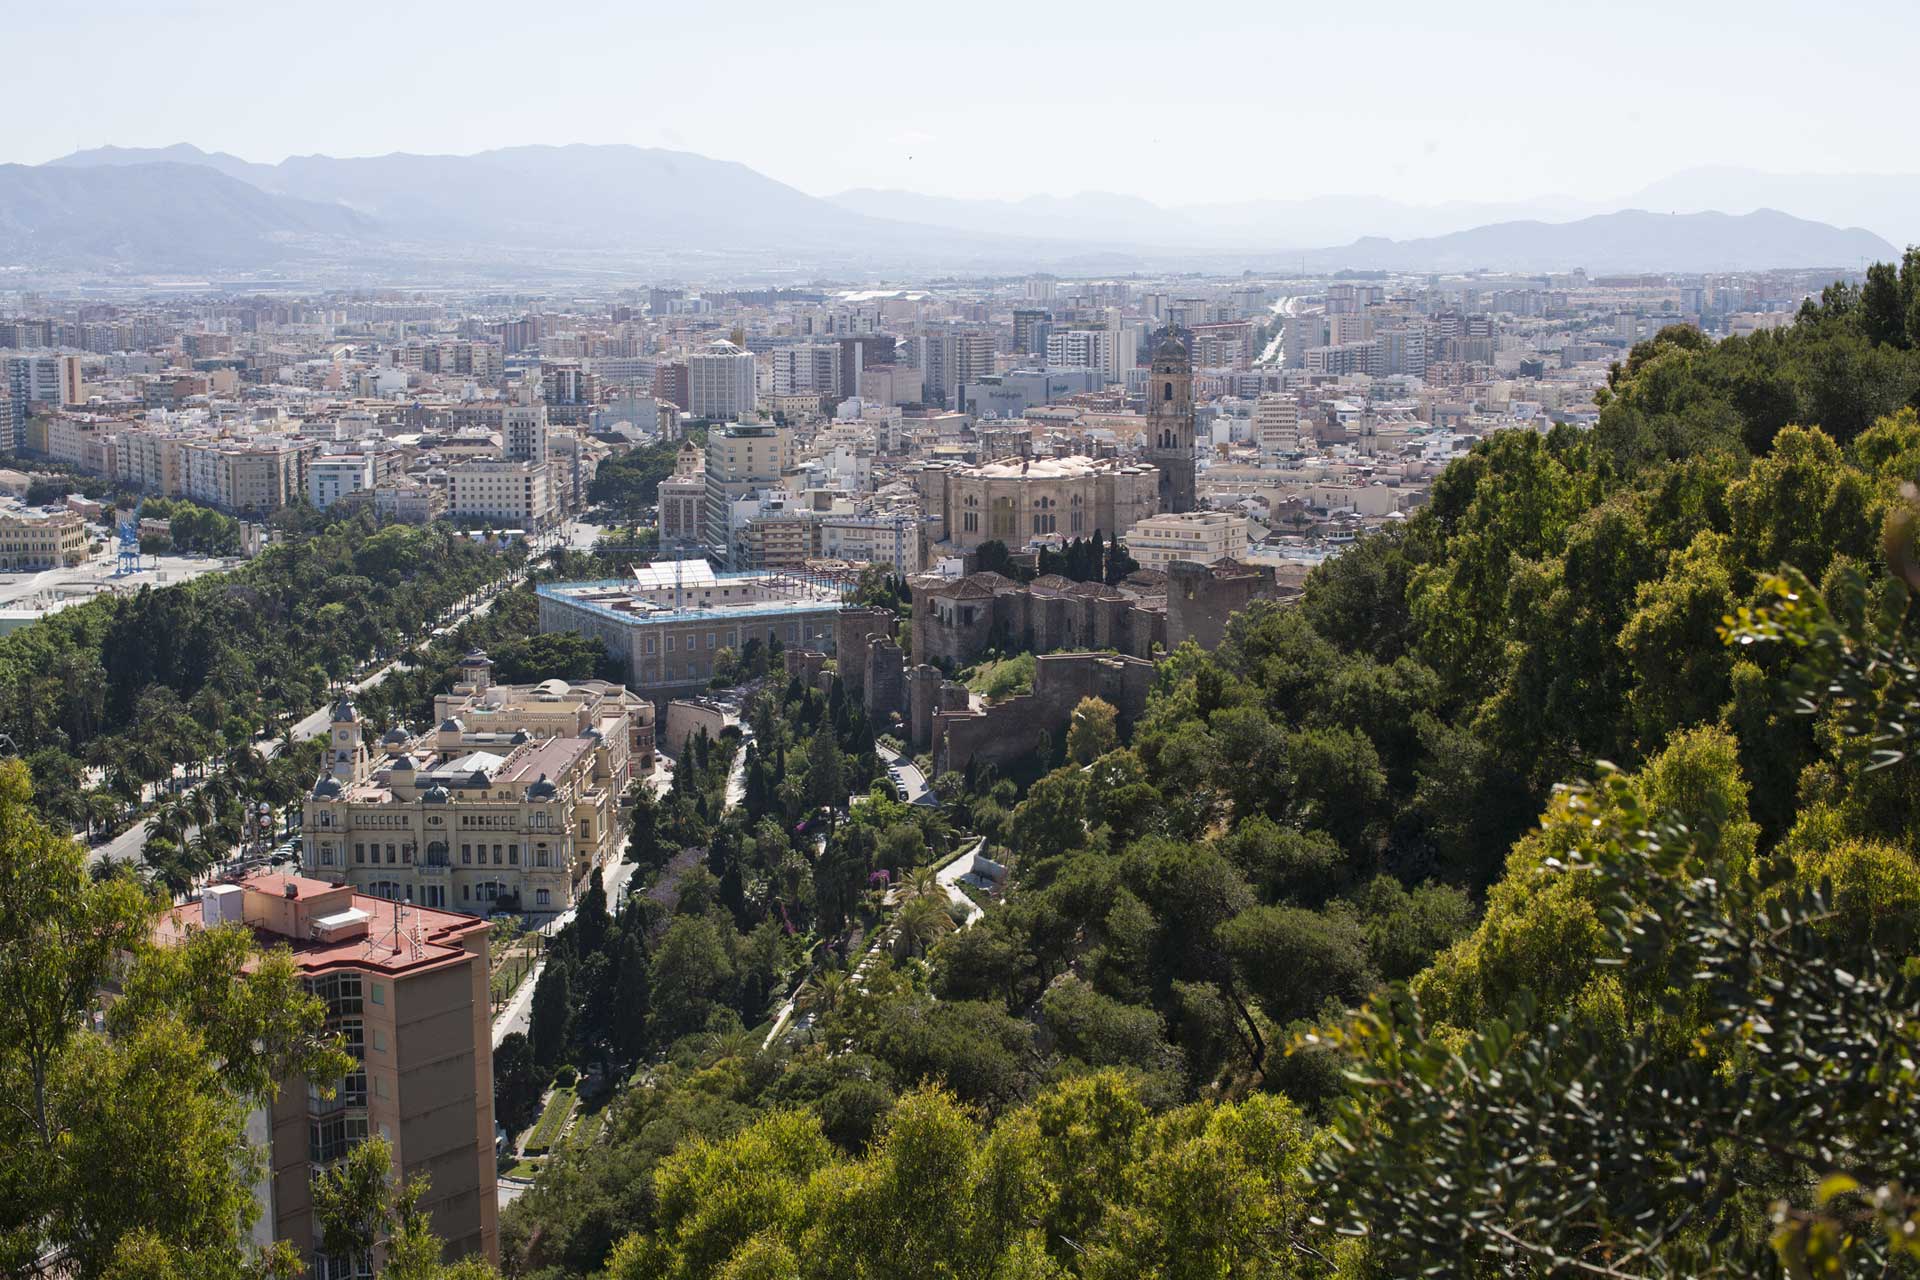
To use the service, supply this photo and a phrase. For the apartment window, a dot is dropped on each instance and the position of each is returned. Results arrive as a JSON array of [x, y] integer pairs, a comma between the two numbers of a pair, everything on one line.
[[359, 852], [332, 1138], [711, 636], [390, 855], [649, 646], [541, 857], [377, 992], [326, 855]]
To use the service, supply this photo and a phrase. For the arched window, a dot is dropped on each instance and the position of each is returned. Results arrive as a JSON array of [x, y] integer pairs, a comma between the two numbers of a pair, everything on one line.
[[1168, 394]]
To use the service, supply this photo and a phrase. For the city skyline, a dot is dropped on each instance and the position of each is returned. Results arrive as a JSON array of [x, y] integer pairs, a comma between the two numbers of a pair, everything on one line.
[[1476, 109]]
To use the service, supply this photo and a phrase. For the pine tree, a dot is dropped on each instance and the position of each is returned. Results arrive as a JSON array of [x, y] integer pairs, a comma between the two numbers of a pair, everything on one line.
[[552, 1014], [632, 999]]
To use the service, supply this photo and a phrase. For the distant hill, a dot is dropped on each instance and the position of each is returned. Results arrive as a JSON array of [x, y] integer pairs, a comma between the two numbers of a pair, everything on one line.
[[572, 196], [517, 207], [1108, 218], [1630, 240], [1886, 203], [259, 175], [156, 217]]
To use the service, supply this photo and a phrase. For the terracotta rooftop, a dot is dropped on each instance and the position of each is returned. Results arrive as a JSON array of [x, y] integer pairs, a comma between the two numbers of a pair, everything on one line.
[[401, 938]]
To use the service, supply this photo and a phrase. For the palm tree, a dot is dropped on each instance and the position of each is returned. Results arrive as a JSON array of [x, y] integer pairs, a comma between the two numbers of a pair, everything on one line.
[[101, 808], [169, 865], [205, 850], [922, 883], [822, 996], [171, 821], [921, 923]]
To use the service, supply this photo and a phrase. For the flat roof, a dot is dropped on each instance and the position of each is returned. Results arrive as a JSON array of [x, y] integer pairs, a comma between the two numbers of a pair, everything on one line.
[[570, 595], [402, 937]]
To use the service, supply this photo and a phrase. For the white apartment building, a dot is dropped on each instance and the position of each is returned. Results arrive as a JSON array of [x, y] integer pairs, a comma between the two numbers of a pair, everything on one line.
[[806, 367], [523, 430], [721, 382], [510, 493], [1276, 424], [741, 459], [334, 476], [1204, 537], [892, 541]]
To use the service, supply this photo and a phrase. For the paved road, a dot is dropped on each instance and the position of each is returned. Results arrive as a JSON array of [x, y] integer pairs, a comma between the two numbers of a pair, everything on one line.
[[127, 845], [953, 871], [912, 781], [579, 535], [737, 779]]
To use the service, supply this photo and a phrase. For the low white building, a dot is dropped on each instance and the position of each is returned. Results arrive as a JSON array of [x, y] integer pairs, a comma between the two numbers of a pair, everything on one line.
[[1203, 537]]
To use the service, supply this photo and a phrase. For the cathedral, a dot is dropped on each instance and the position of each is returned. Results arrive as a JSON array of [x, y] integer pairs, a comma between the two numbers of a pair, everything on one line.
[[1170, 421]]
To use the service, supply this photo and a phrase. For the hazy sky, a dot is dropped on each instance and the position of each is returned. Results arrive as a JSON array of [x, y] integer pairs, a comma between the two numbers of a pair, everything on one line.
[[1181, 102]]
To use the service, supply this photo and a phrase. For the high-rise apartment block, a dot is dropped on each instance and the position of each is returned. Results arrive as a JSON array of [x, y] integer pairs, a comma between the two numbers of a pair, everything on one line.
[[721, 382], [406, 988], [741, 459]]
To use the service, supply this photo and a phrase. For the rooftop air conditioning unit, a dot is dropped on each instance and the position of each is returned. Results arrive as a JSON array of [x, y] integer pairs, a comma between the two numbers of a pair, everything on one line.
[[342, 925]]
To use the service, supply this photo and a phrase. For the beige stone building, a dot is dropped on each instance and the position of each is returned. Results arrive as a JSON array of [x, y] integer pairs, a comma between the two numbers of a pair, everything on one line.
[[1204, 537], [682, 497], [257, 476], [514, 495], [510, 802], [1015, 501], [32, 541], [407, 989]]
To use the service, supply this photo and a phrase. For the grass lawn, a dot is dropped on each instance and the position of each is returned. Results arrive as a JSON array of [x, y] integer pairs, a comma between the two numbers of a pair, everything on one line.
[[553, 1118], [528, 1169]]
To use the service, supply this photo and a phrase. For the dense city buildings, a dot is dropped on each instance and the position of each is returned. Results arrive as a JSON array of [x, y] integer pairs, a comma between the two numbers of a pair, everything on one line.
[[821, 430]]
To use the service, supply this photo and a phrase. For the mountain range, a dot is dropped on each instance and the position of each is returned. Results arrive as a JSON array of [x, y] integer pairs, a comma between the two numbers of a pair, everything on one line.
[[172, 209]]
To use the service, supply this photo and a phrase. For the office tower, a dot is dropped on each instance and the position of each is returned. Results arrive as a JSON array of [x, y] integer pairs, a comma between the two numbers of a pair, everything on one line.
[[721, 382], [1030, 325], [861, 352]]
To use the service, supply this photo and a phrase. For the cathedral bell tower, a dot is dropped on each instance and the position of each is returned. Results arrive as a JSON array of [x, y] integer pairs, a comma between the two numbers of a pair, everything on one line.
[[1170, 421]]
